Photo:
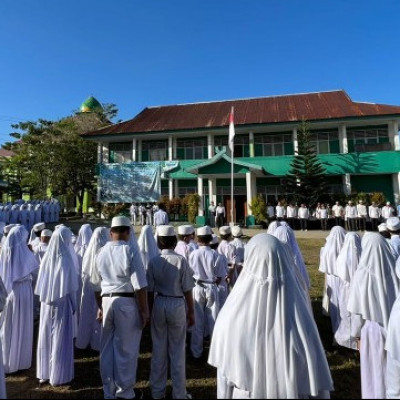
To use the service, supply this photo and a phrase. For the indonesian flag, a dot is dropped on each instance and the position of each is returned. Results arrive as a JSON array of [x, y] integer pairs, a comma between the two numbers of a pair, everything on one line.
[[231, 131]]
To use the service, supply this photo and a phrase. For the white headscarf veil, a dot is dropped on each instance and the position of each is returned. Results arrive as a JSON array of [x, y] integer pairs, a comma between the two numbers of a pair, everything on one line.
[[147, 245], [100, 237], [57, 275], [272, 227], [331, 250], [82, 242], [265, 340], [16, 260], [286, 235], [375, 285], [349, 256]]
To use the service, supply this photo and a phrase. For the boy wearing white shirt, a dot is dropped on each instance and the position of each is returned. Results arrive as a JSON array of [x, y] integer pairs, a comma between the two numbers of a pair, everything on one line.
[[337, 212], [351, 216], [323, 216], [120, 289], [280, 211], [291, 214], [304, 215], [374, 213], [387, 211], [362, 215]]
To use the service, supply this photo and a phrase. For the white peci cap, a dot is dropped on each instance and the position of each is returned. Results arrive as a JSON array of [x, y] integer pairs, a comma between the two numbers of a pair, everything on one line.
[[165, 230], [225, 230], [185, 230], [120, 221], [204, 230], [237, 231], [393, 224], [214, 239], [382, 227], [7, 228], [39, 226], [46, 233]]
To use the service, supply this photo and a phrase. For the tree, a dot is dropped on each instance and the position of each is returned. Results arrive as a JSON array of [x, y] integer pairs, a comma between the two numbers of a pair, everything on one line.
[[258, 207], [305, 181], [52, 156]]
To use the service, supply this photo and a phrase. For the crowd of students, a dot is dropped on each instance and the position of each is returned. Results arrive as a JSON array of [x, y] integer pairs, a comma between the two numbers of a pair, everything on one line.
[[354, 217], [99, 289]]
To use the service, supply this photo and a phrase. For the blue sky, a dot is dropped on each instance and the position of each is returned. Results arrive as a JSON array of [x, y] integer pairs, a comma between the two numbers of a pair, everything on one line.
[[135, 53]]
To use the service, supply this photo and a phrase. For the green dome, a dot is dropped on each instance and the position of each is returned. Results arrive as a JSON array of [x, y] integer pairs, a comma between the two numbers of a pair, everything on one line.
[[90, 105]]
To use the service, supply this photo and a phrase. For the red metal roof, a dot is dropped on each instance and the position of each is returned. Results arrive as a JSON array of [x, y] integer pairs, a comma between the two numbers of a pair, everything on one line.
[[6, 153], [276, 109]]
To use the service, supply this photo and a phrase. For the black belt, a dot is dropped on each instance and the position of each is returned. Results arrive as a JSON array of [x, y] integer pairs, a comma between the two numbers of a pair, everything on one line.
[[201, 283], [165, 295], [121, 294]]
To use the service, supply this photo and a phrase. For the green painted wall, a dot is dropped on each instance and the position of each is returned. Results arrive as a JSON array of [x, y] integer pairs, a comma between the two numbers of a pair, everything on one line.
[[373, 183]]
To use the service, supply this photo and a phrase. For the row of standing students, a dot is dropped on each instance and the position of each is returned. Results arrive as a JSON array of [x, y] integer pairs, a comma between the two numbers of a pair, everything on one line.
[[362, 285], [271, 288]]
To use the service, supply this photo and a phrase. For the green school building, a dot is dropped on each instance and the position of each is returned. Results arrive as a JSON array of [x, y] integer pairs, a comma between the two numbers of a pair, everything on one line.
[[357, 142]]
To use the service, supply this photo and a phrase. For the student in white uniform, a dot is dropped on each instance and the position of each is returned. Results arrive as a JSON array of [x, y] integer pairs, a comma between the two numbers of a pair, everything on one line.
[[373, 291], [3, 299], [16, 321], [89, 329], [56, 286], [229, 251], [170, 284], [208, 272], [133, 210], [346, 266], [122, 298], [269, 349], [393, 226], [362, 215], [147, 245], [350, 216], [387, 211], [280, 211], [239, 245], [291, 214], [222, 287], [374, 213], [34, 238], [160, 216], [185, 234]]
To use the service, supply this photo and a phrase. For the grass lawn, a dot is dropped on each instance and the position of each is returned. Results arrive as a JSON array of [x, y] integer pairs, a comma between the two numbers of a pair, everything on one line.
[[201, 380]]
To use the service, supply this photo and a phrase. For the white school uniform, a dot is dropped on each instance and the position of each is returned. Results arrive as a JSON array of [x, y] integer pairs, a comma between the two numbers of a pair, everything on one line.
[[16, 320], [373, 292], [169, 277], [207, 267], [120, 268], [57, 284]]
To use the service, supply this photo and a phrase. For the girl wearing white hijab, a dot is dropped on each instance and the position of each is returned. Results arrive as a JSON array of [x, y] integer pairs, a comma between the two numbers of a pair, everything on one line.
[[147, 245], [346, 266], [272, 227], [328, 256], [17, 263], [81, 245], [3, 299], [373, 292], [57, 286], [266, 343], [286, 235], [89, 330]]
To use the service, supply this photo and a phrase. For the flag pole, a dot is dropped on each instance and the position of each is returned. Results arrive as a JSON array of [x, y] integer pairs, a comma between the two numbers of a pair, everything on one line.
[[232, 155]]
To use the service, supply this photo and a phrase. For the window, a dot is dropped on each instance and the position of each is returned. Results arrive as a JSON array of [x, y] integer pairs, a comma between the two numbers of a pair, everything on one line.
[[368, 138], [273, 145], [154, 150], [325, 142], [192, 149], [241, 144], [120, 152]]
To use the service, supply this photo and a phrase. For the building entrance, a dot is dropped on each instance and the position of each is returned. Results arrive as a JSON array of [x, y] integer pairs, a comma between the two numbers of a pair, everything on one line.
[[239, 209]]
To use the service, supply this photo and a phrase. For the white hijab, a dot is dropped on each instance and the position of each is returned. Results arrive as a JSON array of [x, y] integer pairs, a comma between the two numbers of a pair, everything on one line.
[[331, 250], [265, 339], [58, 272], [100, 237], [349, 256], [393, 337], [286, 235], [272, 227], [375, 286], [82, 242], [16, 260], [147, 245]]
